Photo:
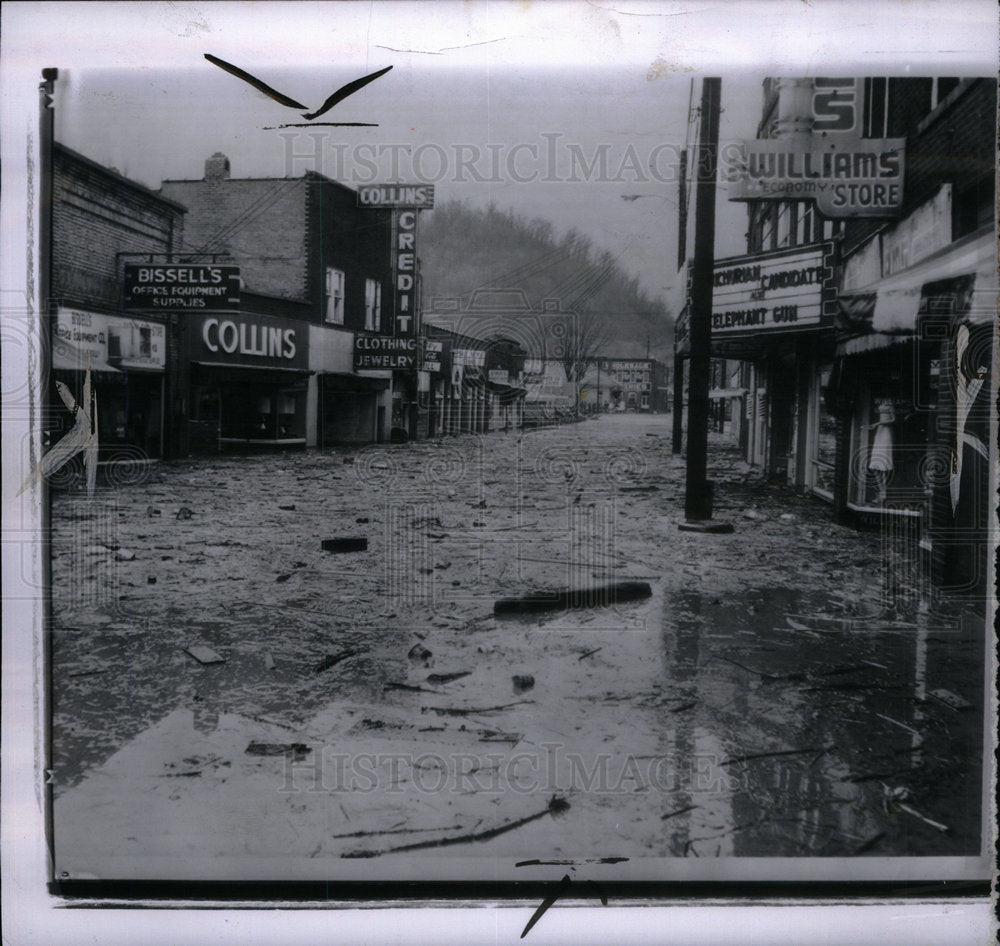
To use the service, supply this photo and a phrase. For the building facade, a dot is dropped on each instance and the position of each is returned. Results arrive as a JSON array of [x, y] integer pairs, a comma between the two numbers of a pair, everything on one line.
[[856, 338], [100, 222], [316, 271]]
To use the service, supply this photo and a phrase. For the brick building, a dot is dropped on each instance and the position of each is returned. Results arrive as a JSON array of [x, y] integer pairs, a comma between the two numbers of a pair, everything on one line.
[[313, 264], [625, 384], [100, 221]]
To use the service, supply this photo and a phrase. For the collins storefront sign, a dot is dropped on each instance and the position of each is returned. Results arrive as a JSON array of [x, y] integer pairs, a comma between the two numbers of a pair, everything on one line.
[[251, 340], [846, 176], [419, 197], [790, 290], [383, 352], [191, 287]]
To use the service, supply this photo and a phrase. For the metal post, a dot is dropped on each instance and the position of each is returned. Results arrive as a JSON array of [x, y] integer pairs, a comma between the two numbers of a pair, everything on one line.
[[698, 491]]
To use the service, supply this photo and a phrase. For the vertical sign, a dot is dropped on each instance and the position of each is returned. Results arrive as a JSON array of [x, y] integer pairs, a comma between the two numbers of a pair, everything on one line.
[[405, 272]]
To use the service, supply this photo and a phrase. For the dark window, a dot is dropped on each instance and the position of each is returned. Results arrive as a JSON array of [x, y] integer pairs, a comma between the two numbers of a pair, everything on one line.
[[972, 207]]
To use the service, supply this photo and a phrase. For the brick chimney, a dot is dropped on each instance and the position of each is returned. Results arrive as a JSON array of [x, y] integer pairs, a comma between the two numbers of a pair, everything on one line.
[[217, 167]]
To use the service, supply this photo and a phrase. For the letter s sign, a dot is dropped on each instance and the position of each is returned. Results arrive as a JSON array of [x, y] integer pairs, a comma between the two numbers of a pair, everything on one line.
[[834, 105]]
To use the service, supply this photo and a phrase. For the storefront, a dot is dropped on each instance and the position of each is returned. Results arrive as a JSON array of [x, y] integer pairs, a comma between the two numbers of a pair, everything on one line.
[[913, 380], [127, 360], [249, 376]]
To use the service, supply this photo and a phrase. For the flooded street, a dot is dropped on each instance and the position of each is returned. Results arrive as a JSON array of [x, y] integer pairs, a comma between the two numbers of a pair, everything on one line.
[[223, 686]]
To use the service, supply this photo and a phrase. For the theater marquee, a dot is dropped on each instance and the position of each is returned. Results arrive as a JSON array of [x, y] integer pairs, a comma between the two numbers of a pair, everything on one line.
[[789, 290]]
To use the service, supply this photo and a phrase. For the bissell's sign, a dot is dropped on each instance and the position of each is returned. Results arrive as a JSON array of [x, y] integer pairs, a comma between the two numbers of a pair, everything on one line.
[[263, 340], [384, 352], [784, 291], [187, 287]]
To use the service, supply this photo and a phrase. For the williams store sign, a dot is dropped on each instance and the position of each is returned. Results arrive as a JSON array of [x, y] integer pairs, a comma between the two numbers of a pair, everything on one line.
[[847, 177]]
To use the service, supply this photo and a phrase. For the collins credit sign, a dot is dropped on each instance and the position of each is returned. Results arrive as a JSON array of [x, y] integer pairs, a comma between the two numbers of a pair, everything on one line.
[[788, 290], [187, 287], [846, 176]]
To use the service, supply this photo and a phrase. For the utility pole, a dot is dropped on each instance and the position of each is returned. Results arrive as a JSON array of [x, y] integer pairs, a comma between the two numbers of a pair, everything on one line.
[[698, 490]]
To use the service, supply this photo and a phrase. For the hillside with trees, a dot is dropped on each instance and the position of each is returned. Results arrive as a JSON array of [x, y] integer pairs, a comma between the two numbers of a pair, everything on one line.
[[464, 248]]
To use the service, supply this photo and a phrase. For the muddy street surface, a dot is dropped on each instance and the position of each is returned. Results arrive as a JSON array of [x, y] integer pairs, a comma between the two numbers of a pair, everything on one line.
[[225, 686]]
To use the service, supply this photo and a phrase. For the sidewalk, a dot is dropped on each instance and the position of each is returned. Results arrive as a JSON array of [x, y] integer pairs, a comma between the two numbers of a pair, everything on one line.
[[762, 702]]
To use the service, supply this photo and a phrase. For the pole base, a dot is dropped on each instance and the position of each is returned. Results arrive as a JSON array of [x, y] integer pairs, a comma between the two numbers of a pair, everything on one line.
[[712, 526]]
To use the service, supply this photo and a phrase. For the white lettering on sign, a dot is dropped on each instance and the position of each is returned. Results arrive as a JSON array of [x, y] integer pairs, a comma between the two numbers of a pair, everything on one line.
[[248, 339], [405, 264], [845, 176]]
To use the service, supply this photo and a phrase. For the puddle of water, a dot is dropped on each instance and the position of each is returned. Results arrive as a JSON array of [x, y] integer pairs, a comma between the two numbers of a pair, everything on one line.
[[817, 731]]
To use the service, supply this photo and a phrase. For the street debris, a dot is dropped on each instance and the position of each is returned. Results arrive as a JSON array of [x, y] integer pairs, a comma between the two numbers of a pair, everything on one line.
[[293, 750], [331, 660], [204, 655], [770, 755], [184, 513], [924, 818], [290, 507], [282, 578], [589, 653], [679, 811], [564, 599], [523, 682], [555, 806], [347, 544], [463, 711], [420, 655], [391, 685], [123, 556], [953, 700], [268, 660], [447, 677], [152, 512]]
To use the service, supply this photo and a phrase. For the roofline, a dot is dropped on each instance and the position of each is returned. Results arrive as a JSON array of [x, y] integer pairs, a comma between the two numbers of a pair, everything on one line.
[[117, 175]]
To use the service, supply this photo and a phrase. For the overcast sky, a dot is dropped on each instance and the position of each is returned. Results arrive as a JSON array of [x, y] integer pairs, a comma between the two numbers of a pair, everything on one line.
[[564, 108]]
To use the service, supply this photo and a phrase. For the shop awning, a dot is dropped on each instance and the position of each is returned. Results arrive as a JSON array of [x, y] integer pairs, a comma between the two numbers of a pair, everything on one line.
[[719, 394], [221, 373], [333, 381], [959, 281], [68, 357]]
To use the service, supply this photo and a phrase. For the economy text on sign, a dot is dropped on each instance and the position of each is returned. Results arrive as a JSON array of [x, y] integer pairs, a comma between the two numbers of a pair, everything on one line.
[[187, 287], [419, 197], [847, 177], [382, 352]]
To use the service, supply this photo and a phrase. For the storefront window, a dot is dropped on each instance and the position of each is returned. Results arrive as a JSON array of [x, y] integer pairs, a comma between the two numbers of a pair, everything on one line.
[[334, 296], [824, 444]]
